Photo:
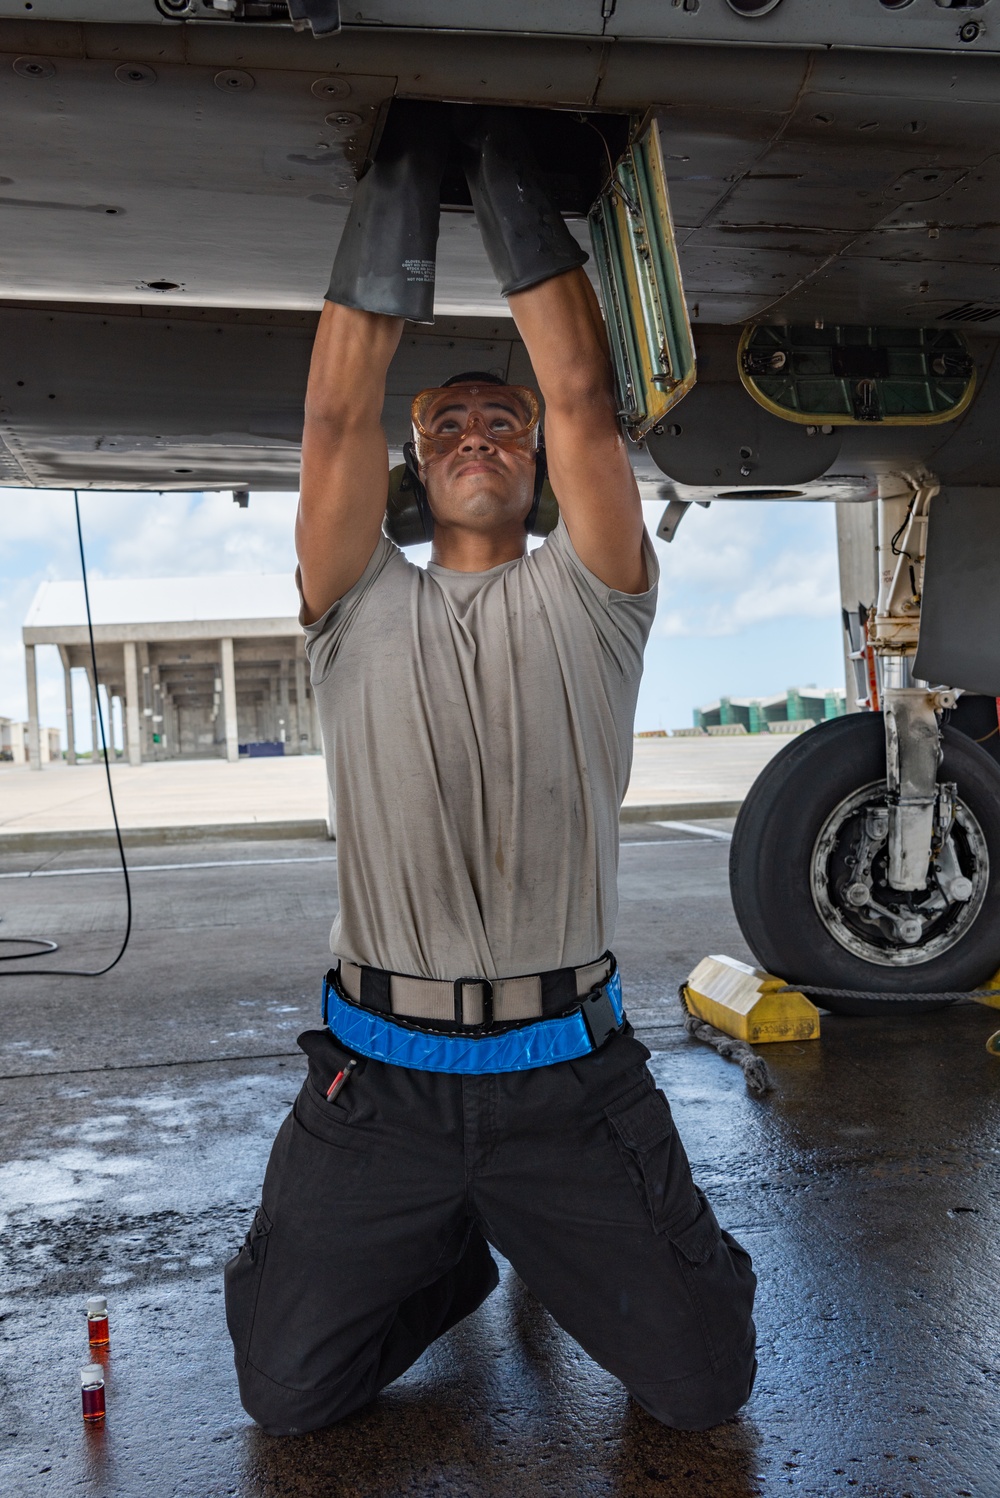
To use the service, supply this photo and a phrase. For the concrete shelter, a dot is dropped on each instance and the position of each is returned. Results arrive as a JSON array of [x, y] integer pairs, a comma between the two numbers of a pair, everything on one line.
[[805, 705], [14, 744], [204, 667]]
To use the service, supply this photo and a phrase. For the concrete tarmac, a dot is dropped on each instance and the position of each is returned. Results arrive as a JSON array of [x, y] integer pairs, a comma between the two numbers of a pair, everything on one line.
[[204, 793], [139, 1108]]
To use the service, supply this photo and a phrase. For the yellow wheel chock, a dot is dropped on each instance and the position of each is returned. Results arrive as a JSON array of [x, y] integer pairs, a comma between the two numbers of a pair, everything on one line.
[[748, 1004]]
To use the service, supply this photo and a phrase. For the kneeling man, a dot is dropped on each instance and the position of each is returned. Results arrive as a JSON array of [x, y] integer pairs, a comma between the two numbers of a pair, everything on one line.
[[476, 1083]]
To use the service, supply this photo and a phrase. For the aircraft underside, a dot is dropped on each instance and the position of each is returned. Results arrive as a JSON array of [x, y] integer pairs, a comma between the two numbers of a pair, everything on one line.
[[174, 178]]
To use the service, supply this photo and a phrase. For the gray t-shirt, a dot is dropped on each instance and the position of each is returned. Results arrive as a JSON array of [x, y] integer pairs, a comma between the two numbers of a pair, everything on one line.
[[478, 735]]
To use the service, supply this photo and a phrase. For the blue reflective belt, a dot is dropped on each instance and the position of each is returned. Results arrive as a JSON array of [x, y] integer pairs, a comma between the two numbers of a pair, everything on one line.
[[521, 1049]]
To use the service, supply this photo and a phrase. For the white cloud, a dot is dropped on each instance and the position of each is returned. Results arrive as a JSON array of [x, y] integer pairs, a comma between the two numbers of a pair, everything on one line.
[[179, 535], [744, 563]]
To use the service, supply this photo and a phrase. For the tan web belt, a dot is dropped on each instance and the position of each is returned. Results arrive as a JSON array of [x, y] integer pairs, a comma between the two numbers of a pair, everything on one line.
[[466, 1001]]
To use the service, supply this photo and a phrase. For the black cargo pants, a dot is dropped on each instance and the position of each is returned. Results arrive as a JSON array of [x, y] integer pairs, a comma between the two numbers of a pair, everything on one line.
[[371, 1239]]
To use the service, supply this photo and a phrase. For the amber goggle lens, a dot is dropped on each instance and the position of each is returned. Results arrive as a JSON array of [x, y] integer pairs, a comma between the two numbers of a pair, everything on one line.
[[508, 414]]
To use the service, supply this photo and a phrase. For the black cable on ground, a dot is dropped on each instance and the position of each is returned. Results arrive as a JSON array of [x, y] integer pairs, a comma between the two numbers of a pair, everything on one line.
[[37, 941]]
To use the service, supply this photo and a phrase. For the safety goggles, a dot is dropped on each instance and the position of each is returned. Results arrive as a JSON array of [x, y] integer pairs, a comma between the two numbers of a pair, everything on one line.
[[442, 419]]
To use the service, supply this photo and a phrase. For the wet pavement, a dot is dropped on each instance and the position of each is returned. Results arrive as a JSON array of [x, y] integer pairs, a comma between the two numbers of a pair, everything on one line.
[[138, 1110]]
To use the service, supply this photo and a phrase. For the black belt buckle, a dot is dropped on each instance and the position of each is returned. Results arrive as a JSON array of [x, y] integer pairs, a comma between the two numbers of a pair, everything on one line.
[[599, 1016], [487, 987]]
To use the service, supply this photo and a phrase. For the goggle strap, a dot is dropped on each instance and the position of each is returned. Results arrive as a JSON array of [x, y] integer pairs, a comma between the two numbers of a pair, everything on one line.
[[541, 473], [419, 492]]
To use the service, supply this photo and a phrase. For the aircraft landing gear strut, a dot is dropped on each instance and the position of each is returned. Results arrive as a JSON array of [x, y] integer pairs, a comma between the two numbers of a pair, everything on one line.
[[867, 854]]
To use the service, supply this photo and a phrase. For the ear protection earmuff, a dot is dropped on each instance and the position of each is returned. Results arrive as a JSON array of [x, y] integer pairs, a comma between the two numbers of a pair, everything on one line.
[[408, 518]]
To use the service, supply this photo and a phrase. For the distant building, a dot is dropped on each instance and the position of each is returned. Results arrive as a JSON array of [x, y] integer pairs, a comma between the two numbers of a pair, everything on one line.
[[14, 743], [204, 667], [798, 708]]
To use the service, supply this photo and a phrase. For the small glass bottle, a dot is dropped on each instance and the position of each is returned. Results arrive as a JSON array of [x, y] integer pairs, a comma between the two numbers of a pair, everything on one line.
[[92, 1384], [97, 1321]]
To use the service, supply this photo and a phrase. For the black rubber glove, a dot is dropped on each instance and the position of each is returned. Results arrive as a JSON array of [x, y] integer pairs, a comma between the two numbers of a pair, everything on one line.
[[522, 229], [386, 257]]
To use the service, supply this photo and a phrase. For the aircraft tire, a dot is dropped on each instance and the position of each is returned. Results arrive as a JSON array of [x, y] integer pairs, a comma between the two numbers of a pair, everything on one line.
[[790, 864]]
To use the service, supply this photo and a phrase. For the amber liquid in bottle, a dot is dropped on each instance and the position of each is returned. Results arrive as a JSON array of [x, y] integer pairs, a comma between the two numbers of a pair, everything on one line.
[[97, 1321], [92, 1389], [97, 1330]]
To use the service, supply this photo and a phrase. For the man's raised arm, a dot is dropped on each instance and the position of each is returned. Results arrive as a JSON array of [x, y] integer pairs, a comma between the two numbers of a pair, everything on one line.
[[345, 463], [383, 274], [537, 263], [589, 469]]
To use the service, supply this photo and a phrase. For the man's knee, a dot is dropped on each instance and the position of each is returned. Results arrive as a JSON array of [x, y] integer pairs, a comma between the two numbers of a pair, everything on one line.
[[702, 1400], [353, 1376], [281, 1411]]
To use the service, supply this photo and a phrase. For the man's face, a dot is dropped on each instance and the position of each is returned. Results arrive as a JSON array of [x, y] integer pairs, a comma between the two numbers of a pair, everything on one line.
[[478, 458]]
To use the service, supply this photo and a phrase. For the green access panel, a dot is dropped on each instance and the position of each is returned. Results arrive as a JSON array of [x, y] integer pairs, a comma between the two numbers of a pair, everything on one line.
[[851, 376], [636, 256]]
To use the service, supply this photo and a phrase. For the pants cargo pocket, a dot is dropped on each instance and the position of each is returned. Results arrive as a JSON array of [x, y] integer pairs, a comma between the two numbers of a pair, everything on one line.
[[720, 1278], [713, 1266], [242, 1280], [651, 1150]]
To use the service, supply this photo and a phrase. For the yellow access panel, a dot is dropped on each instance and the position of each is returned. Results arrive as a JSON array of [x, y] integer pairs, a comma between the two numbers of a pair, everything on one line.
[[635, 252], [748, 1004]]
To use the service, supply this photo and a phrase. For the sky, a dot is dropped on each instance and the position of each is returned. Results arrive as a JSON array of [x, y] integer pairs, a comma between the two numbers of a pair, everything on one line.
[[748, 601]]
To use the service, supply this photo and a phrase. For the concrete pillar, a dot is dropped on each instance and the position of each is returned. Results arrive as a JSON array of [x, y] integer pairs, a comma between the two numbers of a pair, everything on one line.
[[229, 701], [156, 720], [95, 736], [272, 711], [146, 688], [68, 684], [315, 733], [284, 715], [34, 735], [133, 705], [169, 726], [216, 716], [301, 708], [110, 728], [857, 555]]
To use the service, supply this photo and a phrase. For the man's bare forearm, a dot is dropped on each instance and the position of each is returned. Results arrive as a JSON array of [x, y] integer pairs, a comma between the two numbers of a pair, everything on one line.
[[344, 458], [351, 354], [562, 327], [561, 324]]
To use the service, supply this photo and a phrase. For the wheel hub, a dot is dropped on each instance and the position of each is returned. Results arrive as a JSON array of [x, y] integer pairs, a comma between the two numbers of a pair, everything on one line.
[[897, 928]]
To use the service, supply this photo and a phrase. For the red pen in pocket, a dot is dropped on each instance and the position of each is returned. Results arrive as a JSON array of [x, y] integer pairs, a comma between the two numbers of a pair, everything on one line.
[[341, 1080]]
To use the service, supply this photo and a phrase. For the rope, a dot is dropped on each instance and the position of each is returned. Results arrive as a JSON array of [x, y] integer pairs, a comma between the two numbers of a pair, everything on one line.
[[758, 1078], [891, 998]]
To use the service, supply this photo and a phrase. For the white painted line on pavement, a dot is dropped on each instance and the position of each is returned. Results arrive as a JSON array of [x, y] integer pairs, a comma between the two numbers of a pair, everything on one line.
[[162, 868], [232, 863], [723, 837], [665, 842]]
